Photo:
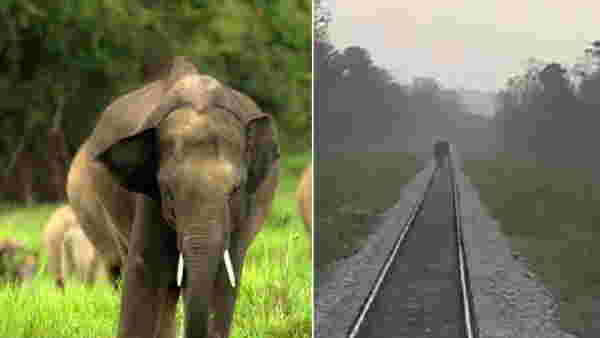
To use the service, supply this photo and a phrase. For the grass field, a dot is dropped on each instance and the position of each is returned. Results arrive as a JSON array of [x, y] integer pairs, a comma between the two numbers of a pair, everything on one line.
[[275, 299], [551, 216], [350, 189]]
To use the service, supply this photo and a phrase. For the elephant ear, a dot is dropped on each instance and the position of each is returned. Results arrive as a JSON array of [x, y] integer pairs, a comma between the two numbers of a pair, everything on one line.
[[133, 162], [263, 151], [262, 148], [124, 140]]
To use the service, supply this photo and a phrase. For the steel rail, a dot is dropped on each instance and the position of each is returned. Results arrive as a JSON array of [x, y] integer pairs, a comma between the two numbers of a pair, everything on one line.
[[354, 329], [472, 330], [467, 298]]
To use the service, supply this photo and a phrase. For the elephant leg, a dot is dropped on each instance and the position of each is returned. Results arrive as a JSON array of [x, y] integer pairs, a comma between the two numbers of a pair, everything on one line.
[[168, 326], [148, 296], [67, 261], [55, 263], [92, 269], [60, 278]]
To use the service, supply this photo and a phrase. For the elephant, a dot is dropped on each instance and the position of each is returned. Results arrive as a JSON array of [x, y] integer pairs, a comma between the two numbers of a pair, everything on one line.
[[80, 259], [441, 150], [172, 186], [69, 250], [17, 264], [304, 196]]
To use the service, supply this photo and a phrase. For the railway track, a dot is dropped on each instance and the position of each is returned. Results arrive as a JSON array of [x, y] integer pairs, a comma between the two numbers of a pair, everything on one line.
[[422, 289]]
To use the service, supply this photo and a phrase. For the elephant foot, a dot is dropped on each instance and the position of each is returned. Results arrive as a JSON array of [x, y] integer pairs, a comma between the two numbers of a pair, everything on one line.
[[213, 332], [115, 276], [60, 283]]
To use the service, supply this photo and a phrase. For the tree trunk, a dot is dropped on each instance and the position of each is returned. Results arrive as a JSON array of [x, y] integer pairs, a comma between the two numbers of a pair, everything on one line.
[[58, 158], [57, 155], [23, 174], [17, 178]]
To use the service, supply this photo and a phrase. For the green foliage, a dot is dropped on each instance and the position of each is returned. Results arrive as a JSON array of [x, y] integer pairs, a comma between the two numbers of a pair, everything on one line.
[[549, 99], [550, 216], [263, 48], [85, 53]]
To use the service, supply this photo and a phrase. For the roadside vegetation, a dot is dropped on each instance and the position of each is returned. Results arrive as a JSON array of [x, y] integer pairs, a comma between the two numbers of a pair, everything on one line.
[[550, 216], [351, 189]]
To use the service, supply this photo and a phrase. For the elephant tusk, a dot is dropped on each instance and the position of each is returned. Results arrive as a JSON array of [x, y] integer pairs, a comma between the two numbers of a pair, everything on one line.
[[229, 268], [179, 270]]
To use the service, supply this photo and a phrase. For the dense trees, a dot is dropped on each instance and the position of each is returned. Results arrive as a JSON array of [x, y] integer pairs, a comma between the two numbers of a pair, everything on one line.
[[359, 106], [62, 62], [550, 112]]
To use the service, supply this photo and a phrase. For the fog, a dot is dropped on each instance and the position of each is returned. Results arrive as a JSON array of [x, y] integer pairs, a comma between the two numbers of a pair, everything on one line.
[[465, 43], [490, 77]]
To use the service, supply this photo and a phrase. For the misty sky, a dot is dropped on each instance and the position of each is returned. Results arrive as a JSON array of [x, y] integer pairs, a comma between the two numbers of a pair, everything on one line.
[[464, 43]]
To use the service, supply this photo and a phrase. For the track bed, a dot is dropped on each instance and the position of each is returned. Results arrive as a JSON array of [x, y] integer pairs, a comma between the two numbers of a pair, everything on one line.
[[421, 293]]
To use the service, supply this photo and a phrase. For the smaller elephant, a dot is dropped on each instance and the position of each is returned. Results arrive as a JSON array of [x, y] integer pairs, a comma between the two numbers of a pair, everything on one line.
[[17, 264], [80, 259], [59, 223], [66, 248], [304, 196]]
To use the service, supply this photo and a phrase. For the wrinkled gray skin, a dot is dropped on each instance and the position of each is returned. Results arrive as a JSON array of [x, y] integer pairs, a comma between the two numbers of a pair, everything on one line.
[[187, 167]]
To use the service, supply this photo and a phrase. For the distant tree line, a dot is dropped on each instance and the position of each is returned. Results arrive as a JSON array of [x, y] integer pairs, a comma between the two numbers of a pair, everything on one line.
[[62, 62], [360, 107], [551, 112]]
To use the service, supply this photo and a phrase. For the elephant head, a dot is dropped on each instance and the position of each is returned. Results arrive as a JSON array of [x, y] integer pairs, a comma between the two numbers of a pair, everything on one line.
[[200, 150]]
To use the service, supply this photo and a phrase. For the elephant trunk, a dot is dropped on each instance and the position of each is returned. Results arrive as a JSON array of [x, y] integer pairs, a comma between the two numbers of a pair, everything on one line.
[[202, 247], [197, 201]]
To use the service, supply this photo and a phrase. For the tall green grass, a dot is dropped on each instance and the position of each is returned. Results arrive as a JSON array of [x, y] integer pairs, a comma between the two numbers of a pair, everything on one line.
[[552, 218], [351, 188], [275, 297]]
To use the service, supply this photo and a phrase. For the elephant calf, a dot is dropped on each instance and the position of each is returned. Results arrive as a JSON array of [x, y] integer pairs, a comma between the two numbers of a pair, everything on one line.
[[17, 264], [69, 251], [304, 196]]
